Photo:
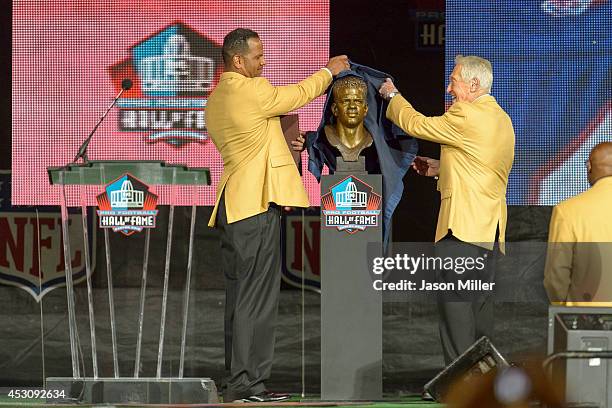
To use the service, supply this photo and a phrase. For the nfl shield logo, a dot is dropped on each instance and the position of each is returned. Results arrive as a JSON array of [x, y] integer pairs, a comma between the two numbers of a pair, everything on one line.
[[31, 245], [301, 250]]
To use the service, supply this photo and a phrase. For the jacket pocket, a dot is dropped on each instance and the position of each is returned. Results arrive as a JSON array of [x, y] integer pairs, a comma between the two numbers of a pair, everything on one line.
[[282, 160]]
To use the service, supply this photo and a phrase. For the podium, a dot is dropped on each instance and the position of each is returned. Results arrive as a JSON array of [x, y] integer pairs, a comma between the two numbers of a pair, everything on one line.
[[351, 310], [120, 388]]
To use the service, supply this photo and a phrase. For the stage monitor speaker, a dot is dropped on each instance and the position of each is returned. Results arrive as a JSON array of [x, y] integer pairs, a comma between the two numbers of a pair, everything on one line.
[[583, 381], [479, 359]]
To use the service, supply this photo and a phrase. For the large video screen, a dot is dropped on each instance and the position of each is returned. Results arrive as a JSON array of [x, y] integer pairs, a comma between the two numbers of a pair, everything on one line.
[[70, 58], [552, 68]]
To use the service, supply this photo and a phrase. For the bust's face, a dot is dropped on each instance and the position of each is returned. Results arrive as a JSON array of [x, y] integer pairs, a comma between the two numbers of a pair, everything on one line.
[[350, 107]]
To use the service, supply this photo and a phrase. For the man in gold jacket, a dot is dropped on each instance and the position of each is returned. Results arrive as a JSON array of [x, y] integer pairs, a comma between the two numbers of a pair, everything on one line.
[[578, 268], [477, 151], [259, 175]]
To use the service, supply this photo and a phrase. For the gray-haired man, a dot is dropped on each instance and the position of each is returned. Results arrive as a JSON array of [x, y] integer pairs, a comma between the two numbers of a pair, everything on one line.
[[477, 151]]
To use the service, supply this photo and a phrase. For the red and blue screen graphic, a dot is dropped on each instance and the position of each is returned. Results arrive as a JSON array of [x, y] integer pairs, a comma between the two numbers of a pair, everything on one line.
[[70, 59], [552, 68]]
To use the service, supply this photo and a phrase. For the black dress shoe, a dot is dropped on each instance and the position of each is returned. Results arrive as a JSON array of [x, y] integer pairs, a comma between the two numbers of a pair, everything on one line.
[[267, 396]]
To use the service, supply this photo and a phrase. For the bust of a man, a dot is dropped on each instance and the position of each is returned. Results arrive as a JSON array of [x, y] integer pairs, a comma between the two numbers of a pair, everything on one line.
[[349, 107]]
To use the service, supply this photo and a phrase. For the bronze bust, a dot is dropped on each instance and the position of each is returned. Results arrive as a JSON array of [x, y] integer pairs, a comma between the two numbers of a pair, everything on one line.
[[349, 107]]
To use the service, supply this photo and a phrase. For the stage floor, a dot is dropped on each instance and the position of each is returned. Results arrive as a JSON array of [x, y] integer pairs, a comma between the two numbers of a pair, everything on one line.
[[412, 354], [406, 402]]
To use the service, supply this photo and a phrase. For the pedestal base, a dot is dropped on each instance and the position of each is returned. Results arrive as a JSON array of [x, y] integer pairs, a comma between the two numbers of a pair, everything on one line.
[[356, 168], [134, 390], [351, 310]]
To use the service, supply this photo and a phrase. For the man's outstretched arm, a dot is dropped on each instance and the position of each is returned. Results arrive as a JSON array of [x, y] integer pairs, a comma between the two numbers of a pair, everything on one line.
[[280, 100]]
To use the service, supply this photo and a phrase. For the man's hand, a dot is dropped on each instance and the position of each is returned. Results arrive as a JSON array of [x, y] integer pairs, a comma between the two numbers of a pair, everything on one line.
[[338, 64], [298, 144], [386, 88], [426, 166]]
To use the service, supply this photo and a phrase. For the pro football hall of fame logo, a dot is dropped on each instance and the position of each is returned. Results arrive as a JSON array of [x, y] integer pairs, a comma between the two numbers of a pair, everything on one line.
[[351, 205], [127, 206], [173, 72]]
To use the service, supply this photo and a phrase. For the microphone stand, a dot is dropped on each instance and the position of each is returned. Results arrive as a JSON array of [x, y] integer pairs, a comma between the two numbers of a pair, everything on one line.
[[83, 149]]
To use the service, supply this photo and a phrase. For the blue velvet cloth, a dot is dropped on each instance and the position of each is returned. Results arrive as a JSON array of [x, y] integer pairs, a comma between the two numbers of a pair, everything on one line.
[[395, 150]]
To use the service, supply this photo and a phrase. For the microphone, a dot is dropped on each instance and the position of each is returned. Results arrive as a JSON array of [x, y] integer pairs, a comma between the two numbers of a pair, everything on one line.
[[126, 84]]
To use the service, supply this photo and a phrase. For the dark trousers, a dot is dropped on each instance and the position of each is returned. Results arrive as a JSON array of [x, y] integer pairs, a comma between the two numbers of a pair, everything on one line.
[[251, 261], [461, 323]]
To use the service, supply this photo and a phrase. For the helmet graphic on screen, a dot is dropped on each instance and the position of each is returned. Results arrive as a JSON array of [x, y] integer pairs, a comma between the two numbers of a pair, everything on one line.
[[173, 71], [559, 8], [177, 70]]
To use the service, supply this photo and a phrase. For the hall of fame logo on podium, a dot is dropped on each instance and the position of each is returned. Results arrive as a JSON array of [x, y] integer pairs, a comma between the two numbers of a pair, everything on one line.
[[351, 205], [127, 206]]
